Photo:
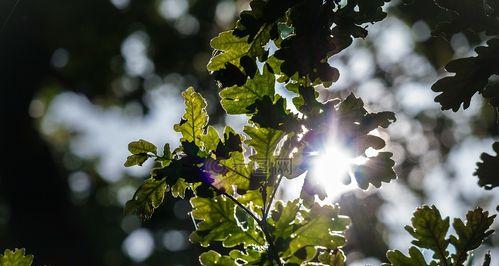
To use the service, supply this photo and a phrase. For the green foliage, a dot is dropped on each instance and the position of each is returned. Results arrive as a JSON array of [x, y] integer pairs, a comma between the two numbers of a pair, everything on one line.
[[17, 257], [234, 177], [487, 169], [306, 34], [322, 227], [430, 232], [470, 235], [415, 258], [141, 150], [220, 223], [235, 173], [147, 198], [236, 99], [195, 117], [142, 147], [234, 203]]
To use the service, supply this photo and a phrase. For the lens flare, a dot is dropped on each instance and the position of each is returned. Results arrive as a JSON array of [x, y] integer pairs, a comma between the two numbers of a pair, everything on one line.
[[332, 168]]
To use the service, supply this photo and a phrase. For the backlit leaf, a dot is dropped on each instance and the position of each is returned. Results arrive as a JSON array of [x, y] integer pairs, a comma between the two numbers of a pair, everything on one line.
[[283, 217], [178, 190], [415, 258], [333, 258], [195, 117], [141, 147], [323, 227], [136, 159], [236, 99], [15, 258], [147, 198], [213, 258], [264, 142], [210, 139], [471, 234], [430, 230], [273, 114], [234, 173], [217, 222]]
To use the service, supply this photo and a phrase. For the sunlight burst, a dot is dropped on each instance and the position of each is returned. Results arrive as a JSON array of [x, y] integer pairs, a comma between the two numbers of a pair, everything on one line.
[[332, 169]]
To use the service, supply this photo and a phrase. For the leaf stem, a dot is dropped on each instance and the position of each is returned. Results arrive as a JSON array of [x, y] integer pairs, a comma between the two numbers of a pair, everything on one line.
[[272, 196], [261, 223]]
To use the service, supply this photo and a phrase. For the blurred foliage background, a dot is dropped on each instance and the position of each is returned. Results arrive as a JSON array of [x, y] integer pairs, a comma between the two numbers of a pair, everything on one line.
[[80, 79]]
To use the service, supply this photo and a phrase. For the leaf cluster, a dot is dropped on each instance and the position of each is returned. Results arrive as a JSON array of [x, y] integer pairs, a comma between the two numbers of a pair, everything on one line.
[[233, 197], [232, 178], [305, 35], [430, 231], [471, 75]]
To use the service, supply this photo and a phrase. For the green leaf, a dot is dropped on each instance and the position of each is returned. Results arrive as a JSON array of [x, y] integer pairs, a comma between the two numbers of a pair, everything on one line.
[[333, 258], [213, 258], [218, 223], [210, 139], [283, 217], [236, 257], [415, 258], [471, 76], [322, 227], [178, 190], [262, 14], [470, 235], [15, 258], [234, 173], [429, 230], [253, 256], [194, 119], [136, 159], [167, 157], [253, 200], [235, 99], [147, 198], [273, 114], [264, 142], [232, 48], [142, 147], [488, 168]]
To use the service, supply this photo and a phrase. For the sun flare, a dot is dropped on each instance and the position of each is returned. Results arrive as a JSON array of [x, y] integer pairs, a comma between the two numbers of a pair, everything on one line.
[[332, 168]]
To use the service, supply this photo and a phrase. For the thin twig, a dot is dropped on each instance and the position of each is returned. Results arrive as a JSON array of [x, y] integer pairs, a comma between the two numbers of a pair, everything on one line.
[[272, 196], [10, 15]]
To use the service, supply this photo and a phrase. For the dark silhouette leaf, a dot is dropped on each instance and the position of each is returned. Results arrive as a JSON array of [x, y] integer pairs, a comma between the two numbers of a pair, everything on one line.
[[488, 169], [471, 76]]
